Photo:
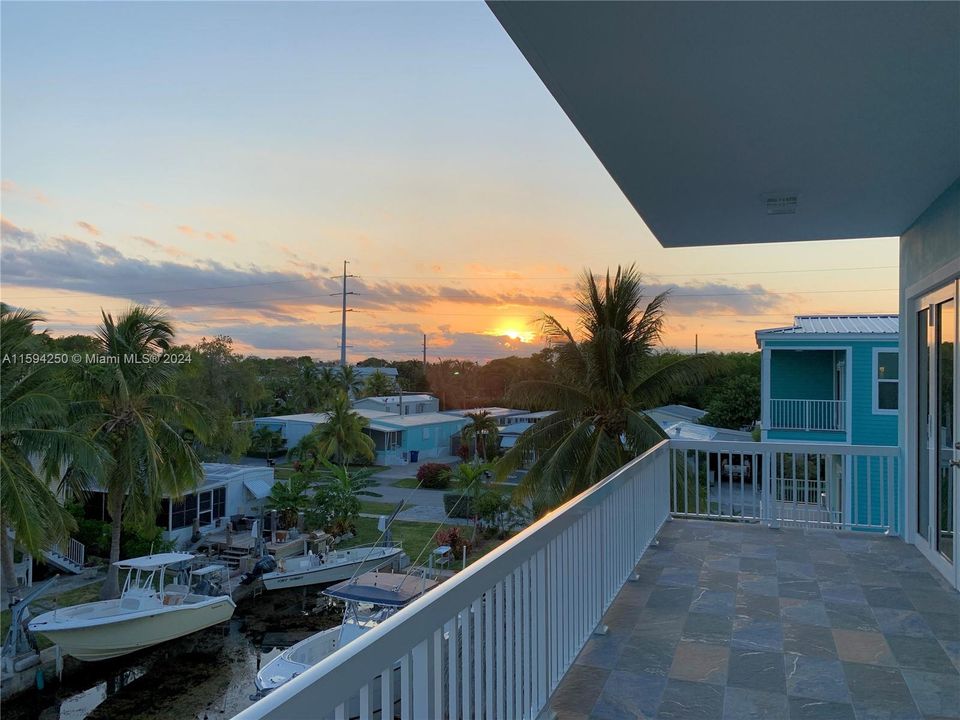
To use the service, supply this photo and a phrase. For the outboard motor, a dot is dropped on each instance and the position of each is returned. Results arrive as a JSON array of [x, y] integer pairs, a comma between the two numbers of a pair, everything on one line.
[[264, 565]]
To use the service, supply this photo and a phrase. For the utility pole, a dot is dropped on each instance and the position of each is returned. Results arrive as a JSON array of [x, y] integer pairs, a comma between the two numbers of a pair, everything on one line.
[[343, 318], [696, 344], [424, 356]]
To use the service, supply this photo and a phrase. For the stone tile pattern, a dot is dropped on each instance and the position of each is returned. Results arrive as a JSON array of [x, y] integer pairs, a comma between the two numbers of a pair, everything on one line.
[[739, 621]]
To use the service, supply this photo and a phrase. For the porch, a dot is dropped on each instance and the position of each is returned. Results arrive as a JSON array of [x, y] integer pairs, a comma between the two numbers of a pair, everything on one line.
[[804, 569], [743, 621], [807, 391]]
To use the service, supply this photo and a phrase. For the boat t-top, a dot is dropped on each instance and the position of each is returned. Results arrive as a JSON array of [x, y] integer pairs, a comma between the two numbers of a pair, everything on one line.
[[370, 599], [150, 610]]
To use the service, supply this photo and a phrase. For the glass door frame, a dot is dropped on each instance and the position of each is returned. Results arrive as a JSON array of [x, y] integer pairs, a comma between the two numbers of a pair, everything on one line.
[[929, 545]]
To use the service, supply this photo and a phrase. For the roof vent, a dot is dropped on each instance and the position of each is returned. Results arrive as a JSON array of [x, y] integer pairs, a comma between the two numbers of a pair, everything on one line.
[[781, 203]]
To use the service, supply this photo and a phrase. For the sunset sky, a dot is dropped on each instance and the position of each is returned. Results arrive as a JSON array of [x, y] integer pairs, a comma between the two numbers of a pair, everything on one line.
[[224, 159]]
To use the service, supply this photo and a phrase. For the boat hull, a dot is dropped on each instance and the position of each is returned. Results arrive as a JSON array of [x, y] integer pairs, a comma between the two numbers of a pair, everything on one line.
[[326, 574], [104, 640]]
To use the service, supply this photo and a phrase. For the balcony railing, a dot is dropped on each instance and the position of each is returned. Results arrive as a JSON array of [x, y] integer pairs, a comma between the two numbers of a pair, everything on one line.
[[824, 485], [807, 415], [495, 640]]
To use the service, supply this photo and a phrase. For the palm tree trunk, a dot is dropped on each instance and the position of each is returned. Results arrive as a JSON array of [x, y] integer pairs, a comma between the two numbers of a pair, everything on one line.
[[10, 586], [111, 586]]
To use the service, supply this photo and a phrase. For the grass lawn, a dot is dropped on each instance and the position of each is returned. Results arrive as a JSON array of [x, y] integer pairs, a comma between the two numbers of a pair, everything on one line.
[[414, 535], [85, 594], [380, 508]]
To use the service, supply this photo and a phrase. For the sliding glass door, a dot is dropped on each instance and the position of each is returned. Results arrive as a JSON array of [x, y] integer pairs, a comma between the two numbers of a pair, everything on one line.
[[938, 417]]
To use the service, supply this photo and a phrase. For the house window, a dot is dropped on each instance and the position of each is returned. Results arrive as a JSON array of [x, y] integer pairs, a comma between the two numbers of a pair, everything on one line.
[[208, 505], [886, 380], [184, 512]]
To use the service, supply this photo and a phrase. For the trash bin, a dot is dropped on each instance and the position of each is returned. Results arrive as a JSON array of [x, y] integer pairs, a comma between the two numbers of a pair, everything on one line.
[[414, 455]]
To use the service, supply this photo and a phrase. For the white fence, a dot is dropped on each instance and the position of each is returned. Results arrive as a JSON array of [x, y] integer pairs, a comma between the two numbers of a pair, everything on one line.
[[822, 484], [495, 640], [807, 415]]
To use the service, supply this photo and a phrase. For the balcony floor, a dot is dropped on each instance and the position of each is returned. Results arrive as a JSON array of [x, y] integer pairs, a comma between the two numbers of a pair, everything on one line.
[[741, 621]]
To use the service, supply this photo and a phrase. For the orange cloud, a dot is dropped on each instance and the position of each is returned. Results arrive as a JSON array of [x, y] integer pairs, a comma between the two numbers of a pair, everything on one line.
[[193, 232], [89, 227]]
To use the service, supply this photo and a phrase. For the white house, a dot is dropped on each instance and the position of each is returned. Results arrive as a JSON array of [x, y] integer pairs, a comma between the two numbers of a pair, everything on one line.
[[500, 414], [226, 491], [411, 404]]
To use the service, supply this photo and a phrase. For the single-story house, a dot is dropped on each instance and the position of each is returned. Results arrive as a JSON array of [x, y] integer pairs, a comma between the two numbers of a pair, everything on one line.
[[292, 428], [668, 414], [225, 491], [396, 437], [530, 417], [413, 403], [500, 414], [418, 436]]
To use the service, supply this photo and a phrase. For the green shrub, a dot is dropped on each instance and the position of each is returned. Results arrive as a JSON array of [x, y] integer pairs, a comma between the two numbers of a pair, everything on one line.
[[458, 506], [434, 476], [137, 543]]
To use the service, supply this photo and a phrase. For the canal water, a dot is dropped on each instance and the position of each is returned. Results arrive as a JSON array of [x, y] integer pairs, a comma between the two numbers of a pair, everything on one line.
[[208, 675]]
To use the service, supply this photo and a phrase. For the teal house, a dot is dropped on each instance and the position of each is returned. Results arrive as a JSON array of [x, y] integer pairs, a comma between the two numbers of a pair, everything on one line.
[[833, 379]]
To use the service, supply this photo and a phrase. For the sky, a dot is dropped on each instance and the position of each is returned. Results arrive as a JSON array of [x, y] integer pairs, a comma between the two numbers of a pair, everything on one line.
[[223, 160]]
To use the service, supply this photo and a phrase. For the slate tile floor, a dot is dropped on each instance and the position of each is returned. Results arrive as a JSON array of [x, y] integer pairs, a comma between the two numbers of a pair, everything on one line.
[[741, 622]]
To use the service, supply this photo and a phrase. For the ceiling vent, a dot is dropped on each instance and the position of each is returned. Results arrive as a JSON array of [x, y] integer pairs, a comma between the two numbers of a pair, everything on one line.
[[781, 203]]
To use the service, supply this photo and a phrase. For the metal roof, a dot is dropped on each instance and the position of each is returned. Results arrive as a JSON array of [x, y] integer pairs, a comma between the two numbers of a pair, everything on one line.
[[873, 324]]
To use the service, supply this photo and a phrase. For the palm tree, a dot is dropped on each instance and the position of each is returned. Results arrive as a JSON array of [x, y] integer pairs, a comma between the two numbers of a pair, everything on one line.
[[340, 494], [328, 384], [131, 413], [604, 380], [482, 427], [350, 381], [289, 498], [471, 480], [341, 436], [35, 445], [378, 384]]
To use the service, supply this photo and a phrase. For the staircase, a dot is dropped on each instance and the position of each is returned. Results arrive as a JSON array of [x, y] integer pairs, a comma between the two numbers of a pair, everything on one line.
[[232, 556], [69, 559]]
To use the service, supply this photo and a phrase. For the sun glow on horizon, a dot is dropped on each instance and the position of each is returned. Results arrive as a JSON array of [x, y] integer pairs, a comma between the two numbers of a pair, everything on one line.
[[524, 336]]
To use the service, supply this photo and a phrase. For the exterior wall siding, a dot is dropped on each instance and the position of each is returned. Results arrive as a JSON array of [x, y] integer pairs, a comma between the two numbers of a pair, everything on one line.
[[804, 375], [869, 428]]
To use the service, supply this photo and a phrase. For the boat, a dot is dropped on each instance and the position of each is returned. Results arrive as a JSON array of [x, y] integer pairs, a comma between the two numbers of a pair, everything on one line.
[[370, 599], [149, 611], [329, 567]]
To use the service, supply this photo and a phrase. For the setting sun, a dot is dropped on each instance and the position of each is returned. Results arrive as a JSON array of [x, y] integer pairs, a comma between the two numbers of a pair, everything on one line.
[[524, 336]]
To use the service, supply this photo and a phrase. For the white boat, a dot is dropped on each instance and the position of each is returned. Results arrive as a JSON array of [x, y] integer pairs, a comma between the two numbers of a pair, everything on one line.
[[370, 599], [149, 611], [329, 567]]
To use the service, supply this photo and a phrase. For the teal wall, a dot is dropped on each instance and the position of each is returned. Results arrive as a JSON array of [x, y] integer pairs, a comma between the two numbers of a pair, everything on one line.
[[869, 428], [808, 375], [803, 375], [430, 437]]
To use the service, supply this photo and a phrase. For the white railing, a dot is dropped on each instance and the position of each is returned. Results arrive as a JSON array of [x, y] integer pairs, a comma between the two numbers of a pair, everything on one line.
[[75, 551], [807, 415], [821, 484], [495, 640]]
